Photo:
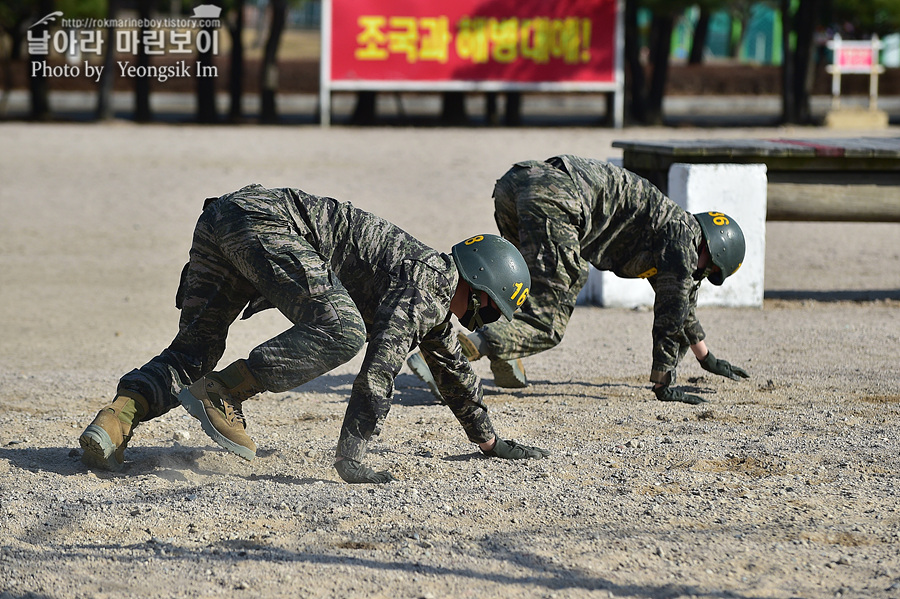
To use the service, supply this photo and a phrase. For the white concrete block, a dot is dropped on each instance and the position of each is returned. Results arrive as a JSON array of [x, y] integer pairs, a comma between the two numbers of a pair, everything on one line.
[[606, 289], [738, 190]]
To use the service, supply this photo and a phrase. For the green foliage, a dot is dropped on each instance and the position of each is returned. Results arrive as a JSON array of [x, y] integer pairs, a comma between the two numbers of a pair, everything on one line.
[[79, 9], [677, 7], [868, 16], [668, 7], [13, 11]]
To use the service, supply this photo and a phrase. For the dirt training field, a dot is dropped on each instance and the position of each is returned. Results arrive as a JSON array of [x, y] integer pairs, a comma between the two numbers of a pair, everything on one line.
[[784, 485]]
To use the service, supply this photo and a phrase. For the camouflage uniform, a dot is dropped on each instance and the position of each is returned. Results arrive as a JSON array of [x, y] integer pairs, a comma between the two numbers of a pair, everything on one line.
[[342, 276], [568, 212]]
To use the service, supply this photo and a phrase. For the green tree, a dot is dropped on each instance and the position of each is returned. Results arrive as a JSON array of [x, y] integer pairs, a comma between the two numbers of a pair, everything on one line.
[[107, 77], [15, 16], [108, 9], [142, 110], [868, 17], [38, 87], [206, 82], [268, 83], [235, 26], [646, 94]]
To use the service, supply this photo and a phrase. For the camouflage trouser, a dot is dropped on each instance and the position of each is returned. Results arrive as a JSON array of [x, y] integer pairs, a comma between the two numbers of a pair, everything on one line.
[[243, 248], [536, 207]]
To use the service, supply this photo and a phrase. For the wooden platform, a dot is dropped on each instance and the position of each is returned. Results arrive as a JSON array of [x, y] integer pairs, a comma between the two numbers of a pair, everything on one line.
[[838, 179]]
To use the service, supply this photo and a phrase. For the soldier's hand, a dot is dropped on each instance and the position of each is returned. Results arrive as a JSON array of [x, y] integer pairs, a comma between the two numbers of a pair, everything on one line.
[[510, 450], [354, 472], [712, 364], [666, 393]]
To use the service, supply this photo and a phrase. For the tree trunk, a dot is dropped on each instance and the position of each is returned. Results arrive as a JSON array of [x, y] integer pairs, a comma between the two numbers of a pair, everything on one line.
[[6, 69], [636, 79], [788, 106], [236, 81], [700, 32], [17, 38], [206, 83], [269, 73], [105, 111], [142, 111], [659, 58], [37, 83], [803, 58]]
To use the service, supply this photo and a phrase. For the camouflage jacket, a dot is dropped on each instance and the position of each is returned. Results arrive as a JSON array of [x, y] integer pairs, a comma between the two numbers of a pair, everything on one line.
[[402, 288], [631, 228]]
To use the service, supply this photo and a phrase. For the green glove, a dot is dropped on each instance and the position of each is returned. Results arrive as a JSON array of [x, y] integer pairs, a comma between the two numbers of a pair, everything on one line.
[[510, 450], [666, 393], [712, 364], [354, 472]]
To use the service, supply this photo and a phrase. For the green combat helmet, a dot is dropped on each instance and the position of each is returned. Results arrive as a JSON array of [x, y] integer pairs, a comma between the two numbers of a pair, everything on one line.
[[725, 241], [491, 264]]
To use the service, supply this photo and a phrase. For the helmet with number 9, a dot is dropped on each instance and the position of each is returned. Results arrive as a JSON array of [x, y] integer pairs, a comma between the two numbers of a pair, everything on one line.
[[491, 264], [725, 241]]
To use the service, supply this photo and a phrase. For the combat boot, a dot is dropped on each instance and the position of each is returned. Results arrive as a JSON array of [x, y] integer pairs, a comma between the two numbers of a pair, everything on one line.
[[105, 439], [215, 400], [469, 349], [509, 374]]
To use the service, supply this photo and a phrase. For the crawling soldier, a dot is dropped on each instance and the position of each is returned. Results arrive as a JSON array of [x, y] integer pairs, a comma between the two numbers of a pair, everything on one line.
[[343, 277]]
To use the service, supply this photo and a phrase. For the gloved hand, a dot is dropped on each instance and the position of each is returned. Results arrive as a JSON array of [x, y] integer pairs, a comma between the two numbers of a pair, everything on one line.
[[354, 472], [712, 364], [666, 393], [510, 450]]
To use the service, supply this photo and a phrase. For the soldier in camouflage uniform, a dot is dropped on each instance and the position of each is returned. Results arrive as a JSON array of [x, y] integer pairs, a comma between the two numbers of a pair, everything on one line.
[[567, 213], [342, 276]]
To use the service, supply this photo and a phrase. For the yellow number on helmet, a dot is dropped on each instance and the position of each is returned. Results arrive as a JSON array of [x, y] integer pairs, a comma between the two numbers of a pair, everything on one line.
[[719, 218], [475, 239], [522, 297]]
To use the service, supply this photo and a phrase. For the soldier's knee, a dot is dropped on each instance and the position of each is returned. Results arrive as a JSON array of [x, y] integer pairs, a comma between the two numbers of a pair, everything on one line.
[[353, 333]]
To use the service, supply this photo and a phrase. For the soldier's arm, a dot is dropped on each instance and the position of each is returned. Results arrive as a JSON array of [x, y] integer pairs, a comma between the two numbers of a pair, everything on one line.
[[670, 309], [457, 382], [461, 390], [674, 321]]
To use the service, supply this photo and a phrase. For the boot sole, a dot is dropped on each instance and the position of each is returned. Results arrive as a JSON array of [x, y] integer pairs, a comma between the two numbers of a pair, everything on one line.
[[417, 364], [196, 409], [509, 374], [99, 450]]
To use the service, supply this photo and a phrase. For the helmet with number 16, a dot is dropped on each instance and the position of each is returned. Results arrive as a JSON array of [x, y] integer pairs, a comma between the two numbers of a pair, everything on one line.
[[491, 264], [725, 241]]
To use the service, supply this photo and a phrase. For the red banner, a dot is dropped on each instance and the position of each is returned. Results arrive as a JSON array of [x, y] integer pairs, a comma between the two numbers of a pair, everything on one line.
[[520, 41]]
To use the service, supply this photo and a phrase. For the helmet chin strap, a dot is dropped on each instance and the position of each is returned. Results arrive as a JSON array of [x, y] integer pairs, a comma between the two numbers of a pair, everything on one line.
[[707, 270], [474, 307]]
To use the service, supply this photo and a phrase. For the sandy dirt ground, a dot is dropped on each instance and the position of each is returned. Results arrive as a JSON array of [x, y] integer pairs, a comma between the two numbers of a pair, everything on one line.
[[784, 485]]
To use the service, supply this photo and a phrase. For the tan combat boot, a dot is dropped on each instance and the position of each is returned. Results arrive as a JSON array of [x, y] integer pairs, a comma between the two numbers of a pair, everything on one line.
[[509, 374], [469, 349], [105, 439], [215, 400]]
